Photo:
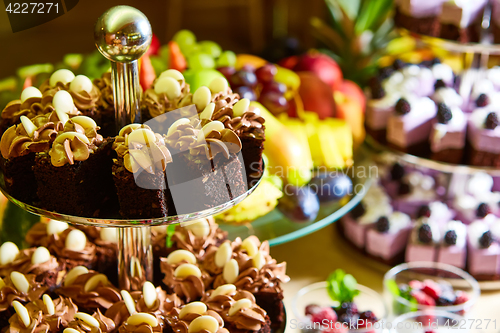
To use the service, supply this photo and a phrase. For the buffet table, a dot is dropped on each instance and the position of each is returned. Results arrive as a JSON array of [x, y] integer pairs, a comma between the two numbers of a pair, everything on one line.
[[310, 259]]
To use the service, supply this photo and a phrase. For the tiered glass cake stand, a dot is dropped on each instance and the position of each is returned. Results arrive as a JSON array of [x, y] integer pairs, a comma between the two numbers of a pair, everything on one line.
[[122, 35]]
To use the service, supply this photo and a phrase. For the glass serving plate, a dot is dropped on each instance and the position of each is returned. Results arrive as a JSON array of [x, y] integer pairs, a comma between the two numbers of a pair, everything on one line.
[[278, 229], [414, 160], [112, 219]]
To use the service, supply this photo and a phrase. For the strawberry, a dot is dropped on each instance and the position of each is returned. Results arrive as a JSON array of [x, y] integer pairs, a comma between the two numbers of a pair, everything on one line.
[[312, 309], [422, 298], [432, 288], [461, 297], [427, 321], [415, 284], [322, 314]]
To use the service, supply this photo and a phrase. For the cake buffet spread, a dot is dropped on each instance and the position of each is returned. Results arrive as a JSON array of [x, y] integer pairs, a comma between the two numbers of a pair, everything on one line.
[[162, 174]]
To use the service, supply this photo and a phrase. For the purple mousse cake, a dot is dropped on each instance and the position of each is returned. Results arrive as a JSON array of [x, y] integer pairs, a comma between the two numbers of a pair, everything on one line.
[[446, 95], [388, 239], [444, 73], [461, 20], [418, 16], [415, 190], [408, 129], [424, 239], [484, 137], [378, 111], [436, 211], [374, 205], [448, 134], [483, 252], [452, 249]]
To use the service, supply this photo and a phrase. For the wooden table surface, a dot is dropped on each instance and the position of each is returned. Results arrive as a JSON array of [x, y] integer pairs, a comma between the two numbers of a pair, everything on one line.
[[310, 259]]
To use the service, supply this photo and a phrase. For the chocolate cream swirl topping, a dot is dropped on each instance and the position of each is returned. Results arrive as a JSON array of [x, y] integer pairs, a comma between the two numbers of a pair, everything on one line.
[[158, 101], [224, 102], [12, 290], [71, 256], [183, 137], [77, 145], [188, 281], [142, 149], [35, 135], [82, 324], [244, 315], [41, 320], [84, 100], [163, 304], [184, 322], [198, 235], [106, 100], [250, 124], [30, 108], [24, 264], [90, 290]]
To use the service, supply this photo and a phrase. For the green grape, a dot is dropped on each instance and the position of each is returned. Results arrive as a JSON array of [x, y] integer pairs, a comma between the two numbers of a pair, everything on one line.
[[165, 53], [159, 65], [226, 59], [299, 177], [211, 48], [200, 61], [184, 37], [190, 50]]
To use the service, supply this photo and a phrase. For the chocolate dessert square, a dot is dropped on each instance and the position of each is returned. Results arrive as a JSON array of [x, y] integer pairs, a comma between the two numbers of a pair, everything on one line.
[[79, 189], [198, 183]]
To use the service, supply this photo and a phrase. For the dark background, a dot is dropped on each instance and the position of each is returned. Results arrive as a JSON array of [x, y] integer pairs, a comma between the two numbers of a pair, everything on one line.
[[238, 25]]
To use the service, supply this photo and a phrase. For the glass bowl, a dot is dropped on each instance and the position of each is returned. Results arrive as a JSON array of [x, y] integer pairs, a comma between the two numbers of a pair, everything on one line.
[[316, 293], [436, 321], [438, 272]]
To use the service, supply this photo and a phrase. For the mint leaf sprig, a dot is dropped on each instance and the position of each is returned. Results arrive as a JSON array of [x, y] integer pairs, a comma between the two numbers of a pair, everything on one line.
[[404, 293], [342, 287]]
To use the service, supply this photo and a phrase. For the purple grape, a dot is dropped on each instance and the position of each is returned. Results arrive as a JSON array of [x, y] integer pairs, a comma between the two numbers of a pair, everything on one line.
[[274, 87], [246, 92], [227, 71], [243, 78], [274, 102], [248, 68], [266, 73]]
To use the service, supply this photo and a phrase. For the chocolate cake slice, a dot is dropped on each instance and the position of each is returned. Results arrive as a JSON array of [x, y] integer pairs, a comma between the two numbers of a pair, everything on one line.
[[74, 177], [206, 170], [139, 172], [19, 146]]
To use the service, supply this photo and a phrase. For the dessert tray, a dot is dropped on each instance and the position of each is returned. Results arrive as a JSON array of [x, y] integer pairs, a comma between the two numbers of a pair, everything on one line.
[[381, 267]]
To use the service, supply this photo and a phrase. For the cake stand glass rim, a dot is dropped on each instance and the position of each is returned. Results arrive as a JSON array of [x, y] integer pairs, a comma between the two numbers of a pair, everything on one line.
[[428, 163], [116, 222]]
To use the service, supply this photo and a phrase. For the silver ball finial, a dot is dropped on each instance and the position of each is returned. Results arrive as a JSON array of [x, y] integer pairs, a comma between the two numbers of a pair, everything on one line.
[[122, 34]]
